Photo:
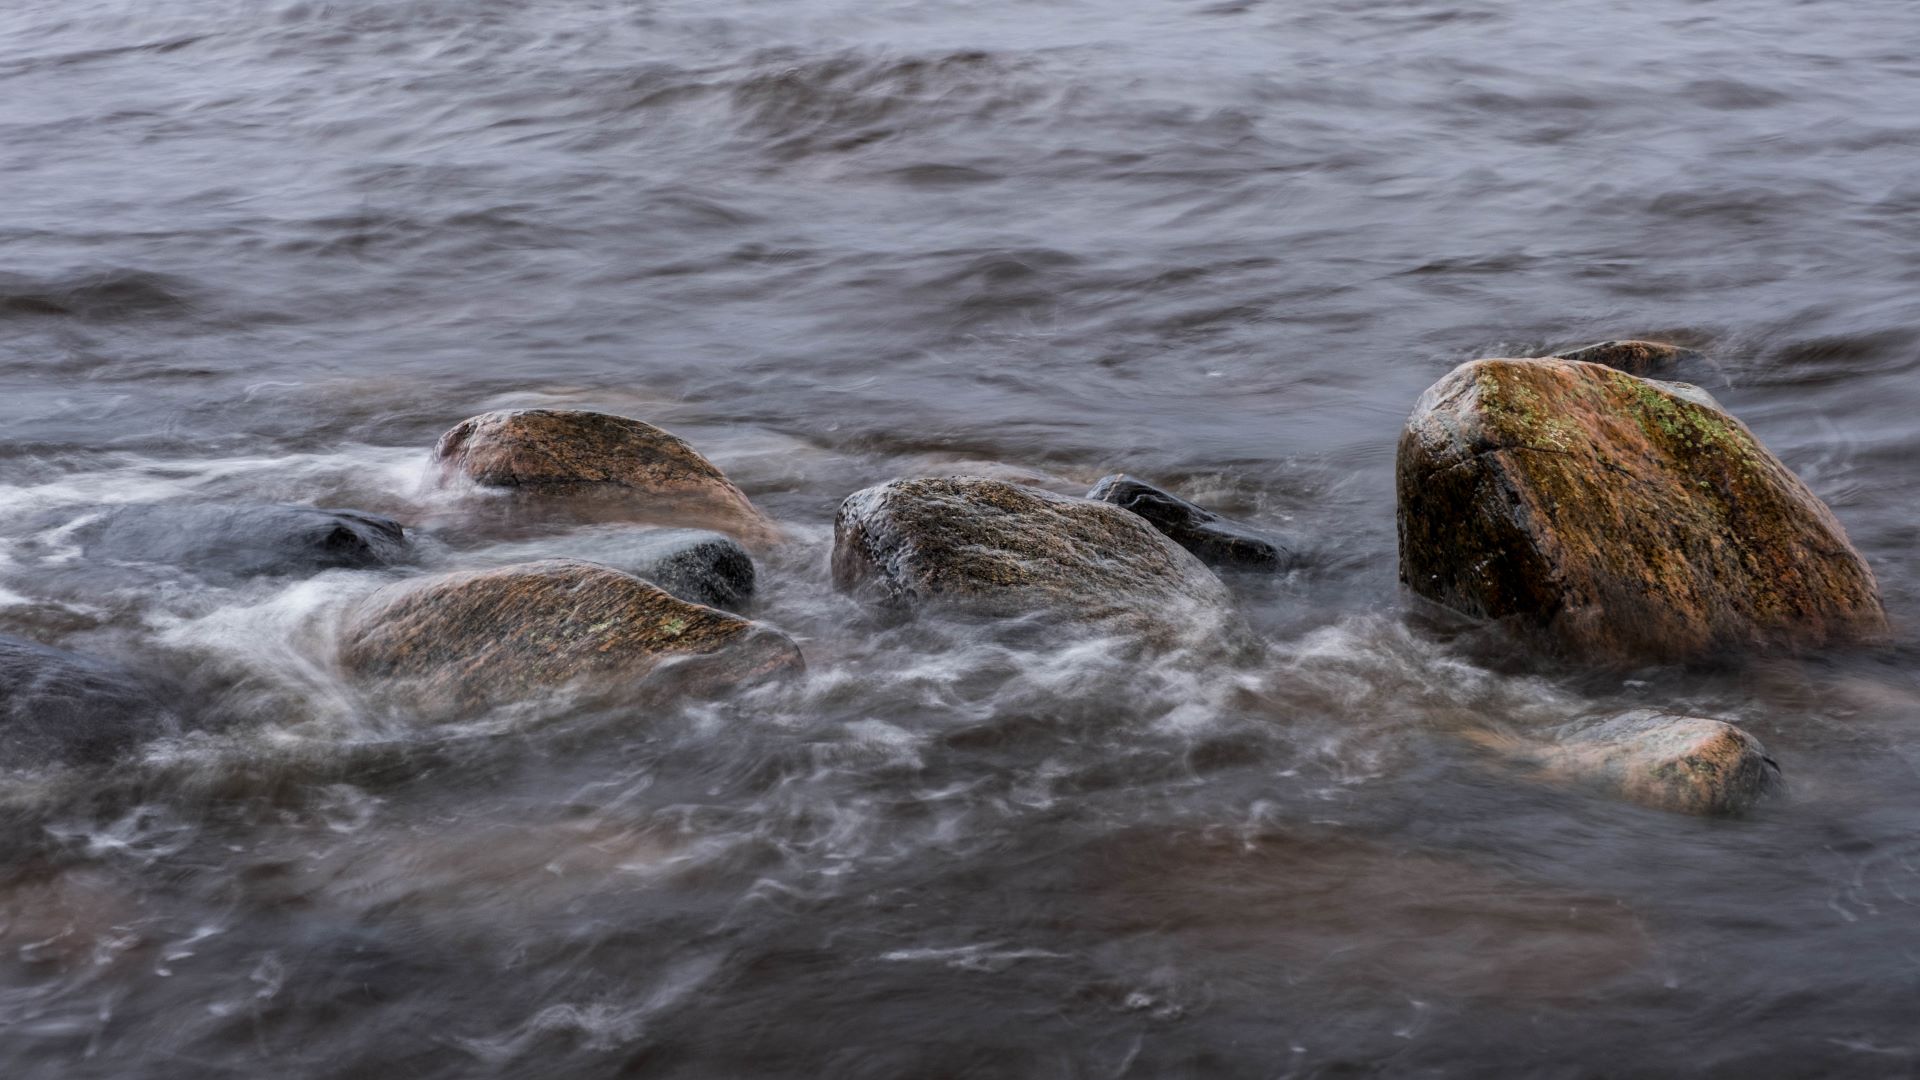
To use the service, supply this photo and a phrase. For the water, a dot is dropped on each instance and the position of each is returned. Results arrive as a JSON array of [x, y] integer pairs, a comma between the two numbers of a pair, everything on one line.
[[269, 250]]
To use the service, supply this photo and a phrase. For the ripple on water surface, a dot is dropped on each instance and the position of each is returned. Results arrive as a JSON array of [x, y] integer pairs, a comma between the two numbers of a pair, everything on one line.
[[267, 252]]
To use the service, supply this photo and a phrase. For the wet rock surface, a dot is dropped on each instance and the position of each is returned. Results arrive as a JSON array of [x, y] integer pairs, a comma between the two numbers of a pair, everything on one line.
[[576, 454], [1646, 359], [240, 541], [1215, 540], [469, 639], [1686, 764], [1625, 522], [695, 565], [994, 548], [61, 707]]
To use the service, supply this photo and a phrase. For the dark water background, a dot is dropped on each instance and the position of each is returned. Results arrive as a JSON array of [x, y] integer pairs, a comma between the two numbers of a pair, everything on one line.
[[269, 250]]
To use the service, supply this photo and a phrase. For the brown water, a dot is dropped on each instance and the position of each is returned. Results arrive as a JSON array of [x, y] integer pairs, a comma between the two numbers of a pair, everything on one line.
[[269, 250]]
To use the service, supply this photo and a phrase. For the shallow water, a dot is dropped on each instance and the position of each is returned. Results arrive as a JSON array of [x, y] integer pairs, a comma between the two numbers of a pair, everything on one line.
[[269, 250]]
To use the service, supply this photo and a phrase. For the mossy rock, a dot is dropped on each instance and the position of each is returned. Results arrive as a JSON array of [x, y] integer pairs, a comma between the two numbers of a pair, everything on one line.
[[606, 462], [1626, 521], [994, 548], [1685, 764], [461, 641]]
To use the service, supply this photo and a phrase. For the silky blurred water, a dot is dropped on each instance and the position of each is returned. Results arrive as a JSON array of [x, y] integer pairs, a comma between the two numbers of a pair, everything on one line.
[[269, 250]]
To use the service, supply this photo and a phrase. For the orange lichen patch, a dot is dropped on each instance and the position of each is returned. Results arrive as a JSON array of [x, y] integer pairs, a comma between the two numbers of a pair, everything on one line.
[[490, 636], [1628, 520], [573, 453]]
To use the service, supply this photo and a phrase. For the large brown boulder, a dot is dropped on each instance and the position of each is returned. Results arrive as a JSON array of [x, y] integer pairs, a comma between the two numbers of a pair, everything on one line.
[[459, 641], [1687, 764], [1628, 521], [995, 548], [572, 454]]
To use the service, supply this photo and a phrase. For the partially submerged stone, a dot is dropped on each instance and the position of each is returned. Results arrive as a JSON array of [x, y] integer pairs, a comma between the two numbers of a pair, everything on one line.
[[1625, 521], [1686, 764], [1215, 540], [460, 641], [1315, 910], [72, 913], [994, 548], [572, 454], [695, 565], [244, 540], [1646, 359], [61, 707]]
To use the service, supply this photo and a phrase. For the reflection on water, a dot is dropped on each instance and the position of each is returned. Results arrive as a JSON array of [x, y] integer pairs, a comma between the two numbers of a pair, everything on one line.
[[267, 252]]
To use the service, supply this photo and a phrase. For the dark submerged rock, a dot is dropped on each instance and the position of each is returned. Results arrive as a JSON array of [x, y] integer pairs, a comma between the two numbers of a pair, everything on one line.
[[1453, 925], [994, 548], [243, 541], [1625, 520], [571, 453], [1215, 540], [1646, 359], [697, 566], [60, 707], [1685, 764], [471, 639]]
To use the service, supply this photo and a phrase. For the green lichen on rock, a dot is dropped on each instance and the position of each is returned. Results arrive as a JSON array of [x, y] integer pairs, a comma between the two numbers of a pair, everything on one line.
[[1520, 408], [1629, 520], [459, 641], [1683, 422]]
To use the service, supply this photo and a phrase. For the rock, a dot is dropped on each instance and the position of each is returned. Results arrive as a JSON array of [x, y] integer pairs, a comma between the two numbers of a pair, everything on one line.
[[1623, 521], [569, 453], [60, 707], [471, 639], [464, 868], [1690, 392], [994, 548], [1687, 764], [70, 914], [1216, 541], [697, 566], [242, 541], [1646, 359], [1327, 911]]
